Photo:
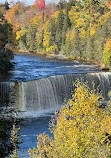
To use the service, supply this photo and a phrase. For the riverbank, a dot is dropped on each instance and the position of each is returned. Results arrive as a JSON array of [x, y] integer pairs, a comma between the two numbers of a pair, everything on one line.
[[101, 66]]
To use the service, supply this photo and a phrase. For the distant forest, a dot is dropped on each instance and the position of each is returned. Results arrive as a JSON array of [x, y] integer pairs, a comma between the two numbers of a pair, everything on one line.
[[79, 29]]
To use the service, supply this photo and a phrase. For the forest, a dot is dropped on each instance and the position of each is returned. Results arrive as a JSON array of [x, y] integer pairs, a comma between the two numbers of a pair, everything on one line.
[[77, 29], [5, 36]]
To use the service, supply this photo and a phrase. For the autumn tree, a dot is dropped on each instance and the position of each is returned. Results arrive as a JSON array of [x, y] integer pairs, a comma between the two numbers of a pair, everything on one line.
[[107, 53], [40, 4], [80, 129]]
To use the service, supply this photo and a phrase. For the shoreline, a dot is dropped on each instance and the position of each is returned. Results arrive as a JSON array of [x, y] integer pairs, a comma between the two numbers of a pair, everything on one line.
[[101, 66]]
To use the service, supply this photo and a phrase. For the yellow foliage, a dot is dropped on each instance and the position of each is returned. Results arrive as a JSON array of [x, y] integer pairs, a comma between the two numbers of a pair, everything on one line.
[[92, 31], [83, 33], [20, 34], [55, 15], [36, 20], [70, 35], [107, 53], [51, 48], [46, 41], [104, 18], [80, 128], [74, 14], [79, 22]]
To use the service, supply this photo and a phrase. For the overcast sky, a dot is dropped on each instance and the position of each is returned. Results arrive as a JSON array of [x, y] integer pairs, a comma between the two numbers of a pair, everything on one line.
[[28, 1]]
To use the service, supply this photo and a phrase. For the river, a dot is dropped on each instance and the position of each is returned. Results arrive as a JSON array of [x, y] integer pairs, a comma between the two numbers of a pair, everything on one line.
[[32, 67], [40, 87]]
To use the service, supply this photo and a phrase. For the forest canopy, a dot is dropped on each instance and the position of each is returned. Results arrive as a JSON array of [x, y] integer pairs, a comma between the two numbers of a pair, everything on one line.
[[79, 29], [5, 38]]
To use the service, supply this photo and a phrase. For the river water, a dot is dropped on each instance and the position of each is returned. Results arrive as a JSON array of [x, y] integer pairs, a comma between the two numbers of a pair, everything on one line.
[[31, 67]]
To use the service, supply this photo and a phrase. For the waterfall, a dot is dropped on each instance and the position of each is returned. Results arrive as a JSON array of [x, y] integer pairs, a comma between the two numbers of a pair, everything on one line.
[[49, 93]]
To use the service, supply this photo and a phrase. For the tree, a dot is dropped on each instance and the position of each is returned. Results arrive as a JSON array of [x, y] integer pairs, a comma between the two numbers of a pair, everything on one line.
[[59, 30], [71, 3], [107, 53], [80, 129], [14, 139], [40, 4], [95, 5], [66, 25], [5, 53], [61, 5], [6, 5]]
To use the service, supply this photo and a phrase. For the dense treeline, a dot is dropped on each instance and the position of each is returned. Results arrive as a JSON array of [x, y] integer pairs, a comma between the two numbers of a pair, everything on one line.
[[79, 29], [5, 37], [5, 65]]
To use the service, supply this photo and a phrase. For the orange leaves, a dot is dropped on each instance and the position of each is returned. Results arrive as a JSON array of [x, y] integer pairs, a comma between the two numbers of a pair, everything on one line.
[[12, 13], [109, 4]]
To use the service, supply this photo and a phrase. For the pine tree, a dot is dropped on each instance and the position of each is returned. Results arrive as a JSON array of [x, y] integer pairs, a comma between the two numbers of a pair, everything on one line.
[[15, 139], [71, 3], [59, 30], [66, 25], [6, 5]]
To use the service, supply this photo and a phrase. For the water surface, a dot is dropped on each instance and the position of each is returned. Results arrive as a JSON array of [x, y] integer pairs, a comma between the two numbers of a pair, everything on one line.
[[32, 67]]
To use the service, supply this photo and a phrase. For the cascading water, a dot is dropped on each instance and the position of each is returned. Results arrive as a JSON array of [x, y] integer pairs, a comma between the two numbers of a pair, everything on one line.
[[49, 93], [37, 86]]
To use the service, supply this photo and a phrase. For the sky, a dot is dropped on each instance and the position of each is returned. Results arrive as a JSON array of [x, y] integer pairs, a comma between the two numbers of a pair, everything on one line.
[[29, 2]]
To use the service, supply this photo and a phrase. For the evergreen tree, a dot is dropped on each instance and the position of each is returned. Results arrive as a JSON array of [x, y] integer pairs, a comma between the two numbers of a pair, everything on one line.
[[99, 41], [89, 48], [61, 5], [52, 29], [15, 139], [6, 5], [59, 30], [77, 45], [71, 3], [66, 25]]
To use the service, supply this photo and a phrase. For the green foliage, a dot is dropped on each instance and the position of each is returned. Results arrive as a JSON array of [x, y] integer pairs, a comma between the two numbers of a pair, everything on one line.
[[59, 30], [6, 5], [5, 53], [44, 147], [15, 139], [109, 103], [107, 53], [80, 129], [5, 145], [61, 5], [70, 4], [47, 31]]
